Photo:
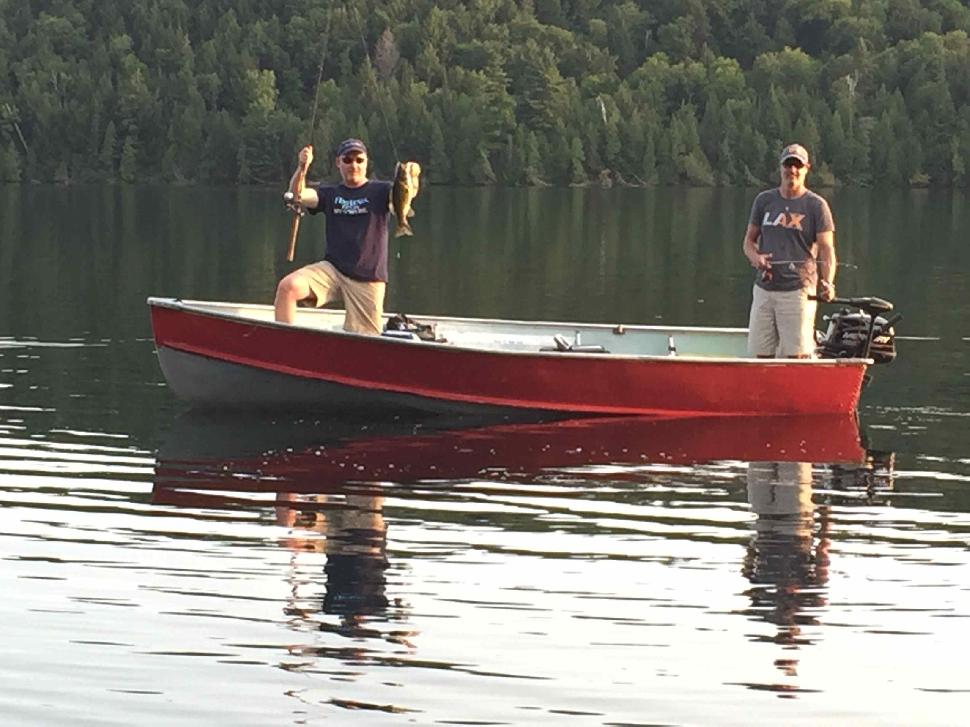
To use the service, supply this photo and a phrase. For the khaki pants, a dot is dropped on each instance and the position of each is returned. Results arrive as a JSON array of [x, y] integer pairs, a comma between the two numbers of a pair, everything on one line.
[[363, 300], [782, 323]]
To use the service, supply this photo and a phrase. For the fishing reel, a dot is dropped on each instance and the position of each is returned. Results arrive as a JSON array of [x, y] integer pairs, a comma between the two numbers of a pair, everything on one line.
[[860, 329], [292, 204]]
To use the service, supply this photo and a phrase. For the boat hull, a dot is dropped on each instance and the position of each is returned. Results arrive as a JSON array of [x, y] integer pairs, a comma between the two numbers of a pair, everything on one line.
[[223, 360]]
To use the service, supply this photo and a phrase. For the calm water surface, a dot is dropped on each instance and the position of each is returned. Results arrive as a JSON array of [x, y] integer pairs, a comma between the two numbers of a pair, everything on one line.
[[165, 567]]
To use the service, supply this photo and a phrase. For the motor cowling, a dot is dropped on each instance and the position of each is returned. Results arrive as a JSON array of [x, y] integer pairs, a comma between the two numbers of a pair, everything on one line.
[[848, 332]]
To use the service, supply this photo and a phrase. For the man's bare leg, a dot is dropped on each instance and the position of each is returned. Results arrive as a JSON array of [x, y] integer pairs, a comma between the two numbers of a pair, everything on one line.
[[291, 289]]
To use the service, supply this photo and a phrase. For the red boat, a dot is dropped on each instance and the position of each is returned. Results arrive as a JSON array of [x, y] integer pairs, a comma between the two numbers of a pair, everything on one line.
[[235, 355]]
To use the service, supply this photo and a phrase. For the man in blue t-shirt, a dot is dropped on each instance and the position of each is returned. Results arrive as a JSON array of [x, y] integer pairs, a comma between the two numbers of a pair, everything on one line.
[[790, 241], [355, 265]]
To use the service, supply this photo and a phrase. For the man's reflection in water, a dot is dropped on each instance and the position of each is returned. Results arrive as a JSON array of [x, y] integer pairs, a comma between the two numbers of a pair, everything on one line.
[[787, 558], [356, 558], [349, 528]]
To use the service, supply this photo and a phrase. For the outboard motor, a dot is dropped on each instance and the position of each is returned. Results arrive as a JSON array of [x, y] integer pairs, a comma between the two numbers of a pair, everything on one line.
[[859, 333]]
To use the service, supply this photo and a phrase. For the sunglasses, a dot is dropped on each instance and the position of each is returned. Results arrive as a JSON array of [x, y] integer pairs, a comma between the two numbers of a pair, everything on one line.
[[353, 160], [788, 163]]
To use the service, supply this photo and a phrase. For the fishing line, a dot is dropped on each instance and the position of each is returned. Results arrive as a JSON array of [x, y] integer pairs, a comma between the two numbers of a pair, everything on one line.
[[316, 90], [292, 199], [380, 97]]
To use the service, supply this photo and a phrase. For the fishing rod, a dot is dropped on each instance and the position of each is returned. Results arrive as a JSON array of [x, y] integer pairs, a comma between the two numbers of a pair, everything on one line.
[[767, 271], [850, 266], [292, 199]]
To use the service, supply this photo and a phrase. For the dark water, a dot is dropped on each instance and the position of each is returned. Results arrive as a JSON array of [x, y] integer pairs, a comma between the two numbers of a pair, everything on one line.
[[164, 567]]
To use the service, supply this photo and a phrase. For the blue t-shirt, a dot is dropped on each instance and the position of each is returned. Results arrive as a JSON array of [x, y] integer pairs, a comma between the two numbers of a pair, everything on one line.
[[356, 228]]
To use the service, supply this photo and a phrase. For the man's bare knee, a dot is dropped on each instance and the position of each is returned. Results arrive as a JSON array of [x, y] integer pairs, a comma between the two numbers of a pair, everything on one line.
[[292, 288]]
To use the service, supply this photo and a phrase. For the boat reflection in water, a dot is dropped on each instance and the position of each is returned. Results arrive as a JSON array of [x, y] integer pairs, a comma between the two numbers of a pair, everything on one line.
[[326, 482]]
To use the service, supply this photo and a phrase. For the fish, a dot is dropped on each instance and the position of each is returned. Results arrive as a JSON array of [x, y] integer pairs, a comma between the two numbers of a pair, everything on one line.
[[406, 186]]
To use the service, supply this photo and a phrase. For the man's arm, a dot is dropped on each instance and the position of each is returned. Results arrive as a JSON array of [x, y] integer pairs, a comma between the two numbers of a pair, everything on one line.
[[749, 247], [307, 196], [826, 264]]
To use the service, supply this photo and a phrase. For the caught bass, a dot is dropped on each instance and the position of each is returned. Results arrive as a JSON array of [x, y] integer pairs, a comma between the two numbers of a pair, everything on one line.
[[406, 185]]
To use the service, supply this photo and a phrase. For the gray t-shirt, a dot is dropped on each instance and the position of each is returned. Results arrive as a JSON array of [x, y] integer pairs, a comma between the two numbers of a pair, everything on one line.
[[789, 228]]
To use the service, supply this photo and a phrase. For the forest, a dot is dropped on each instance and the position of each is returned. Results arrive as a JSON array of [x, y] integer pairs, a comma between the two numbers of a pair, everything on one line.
[[507, 92]]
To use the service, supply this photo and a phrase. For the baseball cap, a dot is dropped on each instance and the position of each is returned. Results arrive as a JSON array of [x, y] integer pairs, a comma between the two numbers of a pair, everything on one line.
[[349, 145], [795, 151]]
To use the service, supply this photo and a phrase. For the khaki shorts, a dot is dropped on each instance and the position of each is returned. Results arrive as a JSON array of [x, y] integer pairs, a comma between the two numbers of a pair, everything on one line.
[[363, 300], [782, 323]]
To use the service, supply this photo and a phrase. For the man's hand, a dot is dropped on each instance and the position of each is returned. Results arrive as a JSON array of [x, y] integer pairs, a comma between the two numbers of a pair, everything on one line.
[[761, 261], [826, 290], [306, 157]]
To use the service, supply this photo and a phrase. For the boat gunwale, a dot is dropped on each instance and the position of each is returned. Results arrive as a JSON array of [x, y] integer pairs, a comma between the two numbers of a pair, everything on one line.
[[198, 307]]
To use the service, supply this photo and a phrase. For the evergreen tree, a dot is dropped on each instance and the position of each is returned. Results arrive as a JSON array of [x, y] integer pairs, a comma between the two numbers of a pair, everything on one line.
[[482, 172], [128, 169], [440, 166], [835, 142], [711, 129], [957, 164], [806, 133], [577, 158], [10, 170], [883, 162], [648, 162], [532, 173], [876, 90], [727, 166], [513, 159], [556, 155], [109, 148]]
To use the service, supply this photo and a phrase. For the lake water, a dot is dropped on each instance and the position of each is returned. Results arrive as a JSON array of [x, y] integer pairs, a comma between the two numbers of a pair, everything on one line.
[[164, 567]]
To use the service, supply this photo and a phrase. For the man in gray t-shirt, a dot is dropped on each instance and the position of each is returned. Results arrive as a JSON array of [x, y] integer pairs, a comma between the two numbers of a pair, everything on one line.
[[790, 241]]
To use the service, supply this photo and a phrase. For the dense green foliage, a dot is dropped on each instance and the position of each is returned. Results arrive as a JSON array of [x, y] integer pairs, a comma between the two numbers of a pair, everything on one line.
[[487, 91]]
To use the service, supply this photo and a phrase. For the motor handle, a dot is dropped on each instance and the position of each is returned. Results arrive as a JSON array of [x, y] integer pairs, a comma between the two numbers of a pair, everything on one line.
[[870, 304]]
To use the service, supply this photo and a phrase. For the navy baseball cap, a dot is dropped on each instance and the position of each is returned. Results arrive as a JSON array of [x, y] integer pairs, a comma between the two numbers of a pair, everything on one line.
[[349, 145]]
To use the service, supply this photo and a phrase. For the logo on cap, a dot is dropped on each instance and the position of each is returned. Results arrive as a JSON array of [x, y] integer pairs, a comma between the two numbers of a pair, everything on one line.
[[795, 151], [349, 145]]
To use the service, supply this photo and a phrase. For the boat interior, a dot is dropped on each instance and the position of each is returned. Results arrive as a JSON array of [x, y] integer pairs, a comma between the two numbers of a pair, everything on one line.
[[517, 336]]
